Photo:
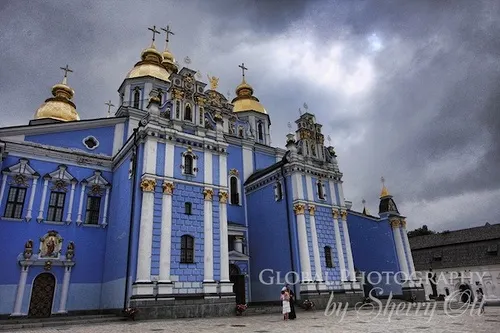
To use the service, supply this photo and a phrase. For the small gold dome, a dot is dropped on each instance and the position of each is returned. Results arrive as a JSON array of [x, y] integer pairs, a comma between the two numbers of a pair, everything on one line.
[[59, 107], [150, 65], [384, 192], [169, 62], [245, 101]]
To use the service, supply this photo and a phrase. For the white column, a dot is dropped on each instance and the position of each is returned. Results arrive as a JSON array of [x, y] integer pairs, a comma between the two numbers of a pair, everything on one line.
[[208, 172], [20, 291], [166, 233], [341, 194], [224, 248], [169, 160], [314, 236], [2, 190], [238, 244], [407, 246], [70, 207], [42, 203], [105, 213], [399, 246], [347, 241], [247, 162], [32, 198], [146, 231], [333, 194], [223, 170], [338, 244], [80, 204], [64, 290], [208, 266], [305, 263]]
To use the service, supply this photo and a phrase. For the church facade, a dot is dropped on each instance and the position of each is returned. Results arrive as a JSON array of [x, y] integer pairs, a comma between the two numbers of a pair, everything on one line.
[[179, 205]]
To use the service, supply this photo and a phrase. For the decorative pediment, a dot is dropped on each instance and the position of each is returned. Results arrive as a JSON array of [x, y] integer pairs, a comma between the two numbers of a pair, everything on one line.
[[61, 174], [97, 183], [21, 170]]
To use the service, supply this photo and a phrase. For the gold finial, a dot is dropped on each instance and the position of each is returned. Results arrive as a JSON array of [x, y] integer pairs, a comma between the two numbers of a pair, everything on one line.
[[109, 104], [168, 32], [385, 191], [214, 82], [154, 34], [66, 70]]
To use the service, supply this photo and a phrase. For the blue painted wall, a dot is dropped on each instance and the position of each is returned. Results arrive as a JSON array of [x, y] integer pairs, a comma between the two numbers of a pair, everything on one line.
[[373, 248], [236, 213], [267, 224], [262, 160], [178, 161], [74, 139]]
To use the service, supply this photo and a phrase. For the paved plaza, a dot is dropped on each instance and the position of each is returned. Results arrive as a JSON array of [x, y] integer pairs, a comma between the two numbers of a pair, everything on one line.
[[307, 322]]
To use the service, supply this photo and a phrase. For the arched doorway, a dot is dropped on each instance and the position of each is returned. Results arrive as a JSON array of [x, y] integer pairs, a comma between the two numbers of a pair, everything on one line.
[[238, 281], [42, 295], [466, 294]]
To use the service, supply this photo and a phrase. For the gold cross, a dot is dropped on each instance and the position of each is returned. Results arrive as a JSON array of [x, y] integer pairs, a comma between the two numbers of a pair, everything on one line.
[[109, 107], [167, 32], [66, 70], [154, 32], [382, 179], [243, 69]]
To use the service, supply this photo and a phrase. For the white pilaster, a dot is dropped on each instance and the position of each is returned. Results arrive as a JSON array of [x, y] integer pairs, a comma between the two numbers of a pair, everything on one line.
[[223, 170], [20, 291], [317, 261], [297, 186], [64, 290], [305, 263], [2, 190], [399, 246], [146, 231], [149, 159], [169, 160], [407, 247], [333, 194], [208, 268], [341, 194], [226, 285], [347, 241], [338, 244], [104, 222], [247, 162], [309, 188], [165, 284], [70, 206], [118, 137], [208, 172], [80, 204], [32, 198], [42, 203]]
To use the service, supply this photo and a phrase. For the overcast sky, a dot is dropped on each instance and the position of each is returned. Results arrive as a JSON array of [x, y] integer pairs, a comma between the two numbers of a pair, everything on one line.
[[406, 89]]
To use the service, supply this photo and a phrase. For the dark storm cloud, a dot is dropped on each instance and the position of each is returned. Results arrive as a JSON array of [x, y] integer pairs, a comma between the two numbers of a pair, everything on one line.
[[424, 124]]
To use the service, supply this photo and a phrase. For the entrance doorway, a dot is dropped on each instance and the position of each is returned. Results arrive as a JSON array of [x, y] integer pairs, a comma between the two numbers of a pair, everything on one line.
[[42, 295], [238, 281], [466, 295]]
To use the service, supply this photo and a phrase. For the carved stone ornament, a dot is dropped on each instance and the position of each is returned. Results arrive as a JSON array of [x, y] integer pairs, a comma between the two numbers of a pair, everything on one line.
[[343, 215], [48, 265], [312, 209], [335, 213], [201, 101], [223, 197], [178, 94], [299, 209], [60, 185], [28, 249], [20, 180], [403, 223], [168, 188], [208, 194], [148, 185], [234, 172], [70, 251], [96, 189], [395, 223]]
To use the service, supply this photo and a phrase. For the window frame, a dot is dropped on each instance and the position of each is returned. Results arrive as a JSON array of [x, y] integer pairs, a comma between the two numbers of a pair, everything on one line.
[[56, 207], [328, 256], [187, 252], [231, 192], [88, 211], [15, 203], [188, 208]]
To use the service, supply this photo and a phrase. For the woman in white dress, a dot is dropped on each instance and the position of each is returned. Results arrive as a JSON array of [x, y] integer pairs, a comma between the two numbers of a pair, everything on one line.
[[285, 298]]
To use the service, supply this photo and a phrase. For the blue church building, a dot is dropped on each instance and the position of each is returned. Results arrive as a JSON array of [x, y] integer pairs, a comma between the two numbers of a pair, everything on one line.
[[178, 204]]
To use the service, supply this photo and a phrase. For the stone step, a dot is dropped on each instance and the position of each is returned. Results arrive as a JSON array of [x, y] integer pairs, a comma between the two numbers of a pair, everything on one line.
[[27, 323]]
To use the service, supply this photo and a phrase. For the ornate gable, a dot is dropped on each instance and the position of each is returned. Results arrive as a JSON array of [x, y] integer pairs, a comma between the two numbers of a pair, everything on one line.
[[21, 171], [96, 183]]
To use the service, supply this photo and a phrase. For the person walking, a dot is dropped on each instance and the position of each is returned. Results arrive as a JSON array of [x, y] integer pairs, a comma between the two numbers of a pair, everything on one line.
[[480, 298], [285, 300], [292, 314]]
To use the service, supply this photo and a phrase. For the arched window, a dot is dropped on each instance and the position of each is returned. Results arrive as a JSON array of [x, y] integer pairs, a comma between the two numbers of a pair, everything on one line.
[[233, 189], [278, 191], [187, 113], [187, 249], [261, 131], [321, 190], [328, 257], [137, 97], [188, 208], [160, 95], [188, 164]]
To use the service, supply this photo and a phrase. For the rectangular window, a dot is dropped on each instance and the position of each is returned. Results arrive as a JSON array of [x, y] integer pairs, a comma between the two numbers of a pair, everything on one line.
[[188, 208], [56, 206], [187, 249], [93, 209], [328, 257], [15, 202]]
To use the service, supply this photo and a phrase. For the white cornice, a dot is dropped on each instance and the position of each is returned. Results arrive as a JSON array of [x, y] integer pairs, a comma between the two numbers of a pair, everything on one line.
[[58, 155], [59, 127]]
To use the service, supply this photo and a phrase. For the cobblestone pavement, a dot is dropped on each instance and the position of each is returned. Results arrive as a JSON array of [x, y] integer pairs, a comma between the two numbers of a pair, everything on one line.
[[307, 322]]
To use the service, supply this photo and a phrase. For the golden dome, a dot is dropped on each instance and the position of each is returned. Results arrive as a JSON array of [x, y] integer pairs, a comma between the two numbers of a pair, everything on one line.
[[150, 65], [384, 192], [245, 101], [59, 107], [169, 62]]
